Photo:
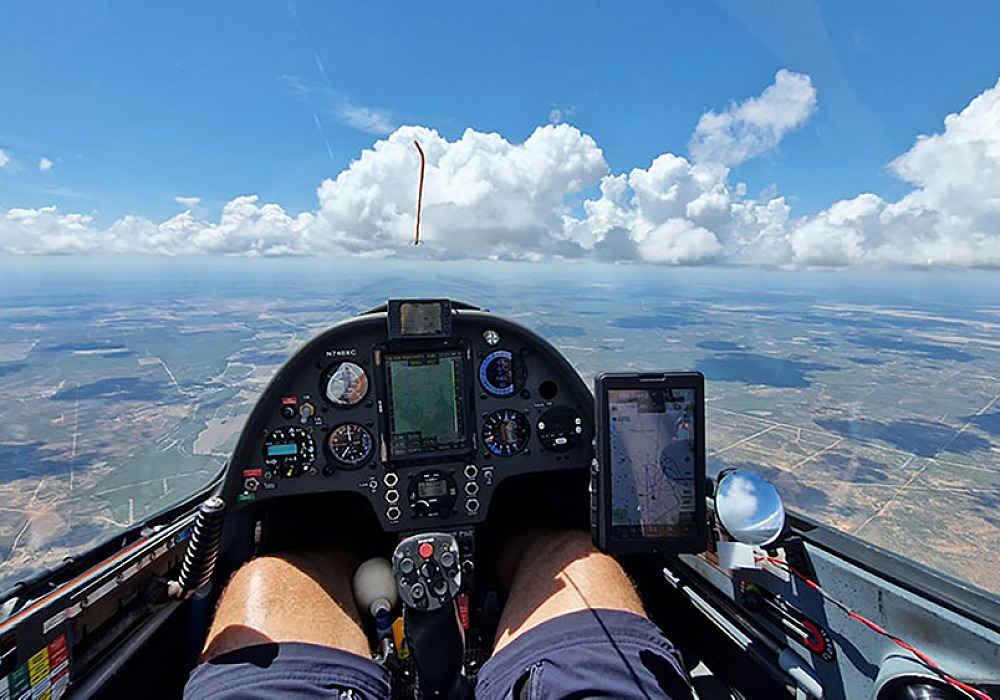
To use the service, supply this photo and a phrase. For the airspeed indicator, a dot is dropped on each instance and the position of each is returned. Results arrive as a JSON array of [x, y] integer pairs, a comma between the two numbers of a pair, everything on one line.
[[350, 444]]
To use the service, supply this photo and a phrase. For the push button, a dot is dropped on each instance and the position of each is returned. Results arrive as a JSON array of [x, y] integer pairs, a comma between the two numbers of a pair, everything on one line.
[[426, 550]]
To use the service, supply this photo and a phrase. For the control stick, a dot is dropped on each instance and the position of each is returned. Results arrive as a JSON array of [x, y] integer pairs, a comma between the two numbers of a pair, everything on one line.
[[427, 569]]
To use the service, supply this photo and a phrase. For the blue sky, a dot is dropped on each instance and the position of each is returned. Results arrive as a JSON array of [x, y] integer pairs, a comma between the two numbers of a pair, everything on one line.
[[133, 104]]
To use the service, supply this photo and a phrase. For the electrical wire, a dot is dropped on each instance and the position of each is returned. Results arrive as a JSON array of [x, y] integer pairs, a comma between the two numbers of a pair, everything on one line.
[[968, 689]]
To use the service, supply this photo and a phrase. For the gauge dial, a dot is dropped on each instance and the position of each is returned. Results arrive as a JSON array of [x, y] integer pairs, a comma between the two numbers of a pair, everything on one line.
[[506, 432], [350, 444], [289, 451], [496, 373], [346, 384]]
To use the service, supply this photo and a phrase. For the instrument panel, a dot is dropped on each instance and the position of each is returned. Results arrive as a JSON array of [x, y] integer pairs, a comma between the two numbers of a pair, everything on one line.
[[423, 407]]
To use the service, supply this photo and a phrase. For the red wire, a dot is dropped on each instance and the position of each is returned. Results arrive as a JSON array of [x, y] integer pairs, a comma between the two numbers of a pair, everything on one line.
[[877, 628], [420, 191]]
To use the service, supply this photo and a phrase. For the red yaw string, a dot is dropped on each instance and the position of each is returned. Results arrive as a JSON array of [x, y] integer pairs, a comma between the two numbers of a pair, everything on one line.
[[420, 191]]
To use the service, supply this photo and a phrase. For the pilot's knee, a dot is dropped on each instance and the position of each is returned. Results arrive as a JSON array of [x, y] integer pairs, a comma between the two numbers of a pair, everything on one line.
[[288, 573], [561, 548], [265, 571]]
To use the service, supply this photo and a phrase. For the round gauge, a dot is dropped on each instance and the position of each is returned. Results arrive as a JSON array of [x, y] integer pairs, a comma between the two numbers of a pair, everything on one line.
[[496, 373], [289, 451], [560, 429], [350, 444], [346, 384], [506, 432]]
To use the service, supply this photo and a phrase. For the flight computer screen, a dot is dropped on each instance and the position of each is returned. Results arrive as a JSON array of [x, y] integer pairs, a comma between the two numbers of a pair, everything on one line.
[[420, 318], [425, 407], [653, 464]]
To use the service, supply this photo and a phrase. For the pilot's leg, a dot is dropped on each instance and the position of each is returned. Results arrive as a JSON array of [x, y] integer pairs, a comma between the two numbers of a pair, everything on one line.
[[287, 625], [300, 597], [574, 624], [561, 573]]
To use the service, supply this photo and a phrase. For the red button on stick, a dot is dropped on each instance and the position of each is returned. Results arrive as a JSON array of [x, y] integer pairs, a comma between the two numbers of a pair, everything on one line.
[[426, 550]]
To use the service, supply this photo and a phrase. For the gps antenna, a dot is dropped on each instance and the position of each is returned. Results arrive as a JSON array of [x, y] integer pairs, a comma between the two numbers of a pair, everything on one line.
[[420, 191]]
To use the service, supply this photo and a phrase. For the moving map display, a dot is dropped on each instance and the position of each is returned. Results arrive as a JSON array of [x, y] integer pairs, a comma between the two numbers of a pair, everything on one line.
[[653, 466], [425, 411]]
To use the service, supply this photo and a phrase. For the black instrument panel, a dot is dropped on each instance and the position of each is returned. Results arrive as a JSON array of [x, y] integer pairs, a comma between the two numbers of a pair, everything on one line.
[[425, 428]]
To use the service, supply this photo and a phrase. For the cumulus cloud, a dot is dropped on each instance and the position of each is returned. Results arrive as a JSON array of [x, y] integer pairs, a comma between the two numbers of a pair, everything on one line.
[[5, 161], [554, 196], [483, 195], [44, 164], [46, 230], [244, 228], [952, 216], [755, 126]]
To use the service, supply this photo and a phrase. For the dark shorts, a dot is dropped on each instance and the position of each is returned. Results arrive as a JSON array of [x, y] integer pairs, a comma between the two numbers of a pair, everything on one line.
[[584, 654]]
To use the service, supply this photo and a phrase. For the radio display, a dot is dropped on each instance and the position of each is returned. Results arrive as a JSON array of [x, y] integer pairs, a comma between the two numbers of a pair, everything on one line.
[[431, 489], [425, 403]]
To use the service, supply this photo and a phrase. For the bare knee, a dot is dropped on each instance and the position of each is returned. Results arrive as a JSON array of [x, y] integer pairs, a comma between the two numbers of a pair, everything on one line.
[[559, 549], [291, 597], [559, 573]]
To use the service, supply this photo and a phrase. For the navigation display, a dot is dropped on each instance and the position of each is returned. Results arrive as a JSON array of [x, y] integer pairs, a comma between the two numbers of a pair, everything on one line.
[[652, 463], [652, 470], [425, 407]]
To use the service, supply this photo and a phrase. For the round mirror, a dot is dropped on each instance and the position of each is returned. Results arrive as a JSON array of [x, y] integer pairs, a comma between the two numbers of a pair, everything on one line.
[[749, 508]]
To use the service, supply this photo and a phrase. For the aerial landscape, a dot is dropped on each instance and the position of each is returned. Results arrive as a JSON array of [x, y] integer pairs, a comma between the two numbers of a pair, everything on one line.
[[125, 394], [797, 199]]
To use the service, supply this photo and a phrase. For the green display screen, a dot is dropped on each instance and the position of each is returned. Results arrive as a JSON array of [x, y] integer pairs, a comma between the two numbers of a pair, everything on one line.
[[282, 450], [424, 407]]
